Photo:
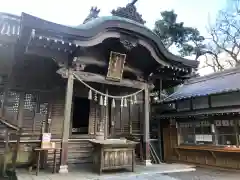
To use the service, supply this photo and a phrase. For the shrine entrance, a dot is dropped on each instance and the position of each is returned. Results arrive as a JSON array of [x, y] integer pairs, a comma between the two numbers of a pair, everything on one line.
[[80, 117]]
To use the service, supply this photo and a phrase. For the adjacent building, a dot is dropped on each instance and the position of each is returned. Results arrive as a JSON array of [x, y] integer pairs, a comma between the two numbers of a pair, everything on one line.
[[201, 121]]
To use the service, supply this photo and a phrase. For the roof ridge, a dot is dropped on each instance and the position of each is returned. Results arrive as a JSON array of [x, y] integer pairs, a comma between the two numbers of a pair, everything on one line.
[[213, 76]]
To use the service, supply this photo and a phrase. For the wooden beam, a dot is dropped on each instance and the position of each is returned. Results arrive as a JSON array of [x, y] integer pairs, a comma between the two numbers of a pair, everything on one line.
[[91, 77], [86, 60], [59, 56], [168, 77]]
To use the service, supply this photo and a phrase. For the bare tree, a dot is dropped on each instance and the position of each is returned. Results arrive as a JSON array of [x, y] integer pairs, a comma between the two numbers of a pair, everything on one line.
[[225, 37]]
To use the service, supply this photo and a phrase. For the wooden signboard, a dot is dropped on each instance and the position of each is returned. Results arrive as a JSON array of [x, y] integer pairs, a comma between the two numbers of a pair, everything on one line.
[[115, 66]]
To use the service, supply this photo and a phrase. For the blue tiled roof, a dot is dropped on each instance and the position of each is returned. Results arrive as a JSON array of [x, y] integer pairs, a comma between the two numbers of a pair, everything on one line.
[[225, 81]]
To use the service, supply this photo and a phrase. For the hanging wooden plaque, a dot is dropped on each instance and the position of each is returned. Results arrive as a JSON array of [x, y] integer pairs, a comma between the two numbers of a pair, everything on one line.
[[116, 66]]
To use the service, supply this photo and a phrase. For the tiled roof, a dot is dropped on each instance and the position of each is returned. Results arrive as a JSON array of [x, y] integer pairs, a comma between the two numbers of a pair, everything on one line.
[[9, 25], [226, 81], [199, 112]]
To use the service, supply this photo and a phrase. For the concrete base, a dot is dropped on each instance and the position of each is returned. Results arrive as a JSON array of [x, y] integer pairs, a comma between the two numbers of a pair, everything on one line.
[[147, 162], [63, 169]]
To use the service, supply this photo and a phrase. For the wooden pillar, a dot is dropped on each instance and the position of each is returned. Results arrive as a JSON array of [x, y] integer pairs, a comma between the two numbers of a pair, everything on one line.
[[130, 117], [16, 150], [236, 131], [66, 123], [113, 112], [100, 134], [160, 138], [178, 134], [214, 133], [146, 137], [160, 153], [6, 151], [96, 117], [4, 100], [20, 116], [106, 123]]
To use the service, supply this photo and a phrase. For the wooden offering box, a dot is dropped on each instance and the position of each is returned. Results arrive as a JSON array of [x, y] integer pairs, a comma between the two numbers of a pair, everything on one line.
[[113, 154]]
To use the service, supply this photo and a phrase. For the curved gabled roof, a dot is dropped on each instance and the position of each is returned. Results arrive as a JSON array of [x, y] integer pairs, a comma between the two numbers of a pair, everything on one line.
[[10, 27], [102, 24]]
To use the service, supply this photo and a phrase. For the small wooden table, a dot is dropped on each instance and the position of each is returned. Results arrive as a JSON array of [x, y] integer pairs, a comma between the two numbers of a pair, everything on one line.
[[38, 153]]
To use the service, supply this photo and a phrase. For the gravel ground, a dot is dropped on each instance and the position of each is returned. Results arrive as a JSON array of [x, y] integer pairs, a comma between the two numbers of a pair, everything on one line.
[[206, 174]]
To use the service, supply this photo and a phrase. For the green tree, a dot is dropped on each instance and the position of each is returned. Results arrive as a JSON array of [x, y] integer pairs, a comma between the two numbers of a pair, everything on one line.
[[187, 39]]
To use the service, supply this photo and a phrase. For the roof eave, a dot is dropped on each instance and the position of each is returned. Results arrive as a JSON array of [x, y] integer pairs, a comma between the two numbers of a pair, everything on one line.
[[99, 26]]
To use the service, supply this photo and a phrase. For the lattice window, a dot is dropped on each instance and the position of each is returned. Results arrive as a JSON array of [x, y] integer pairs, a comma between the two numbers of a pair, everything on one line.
[[13, 101], [43, 108], [29, 102], [195, 132], [226, 132], [187, 132]]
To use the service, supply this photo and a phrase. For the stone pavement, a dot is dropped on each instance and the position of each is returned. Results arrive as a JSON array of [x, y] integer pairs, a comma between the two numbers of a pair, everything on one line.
[[82, 173], [113, 177], [143, 177], [155, 172]]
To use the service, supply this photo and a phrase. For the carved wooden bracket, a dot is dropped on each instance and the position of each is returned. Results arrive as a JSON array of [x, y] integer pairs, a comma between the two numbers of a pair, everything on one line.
[[128, 42]]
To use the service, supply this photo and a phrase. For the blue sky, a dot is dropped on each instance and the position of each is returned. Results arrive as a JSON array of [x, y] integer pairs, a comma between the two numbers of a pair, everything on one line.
[[194, 13]]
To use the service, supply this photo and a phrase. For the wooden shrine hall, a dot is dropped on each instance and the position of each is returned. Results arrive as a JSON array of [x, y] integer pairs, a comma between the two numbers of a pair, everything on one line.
[[82, 92]]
